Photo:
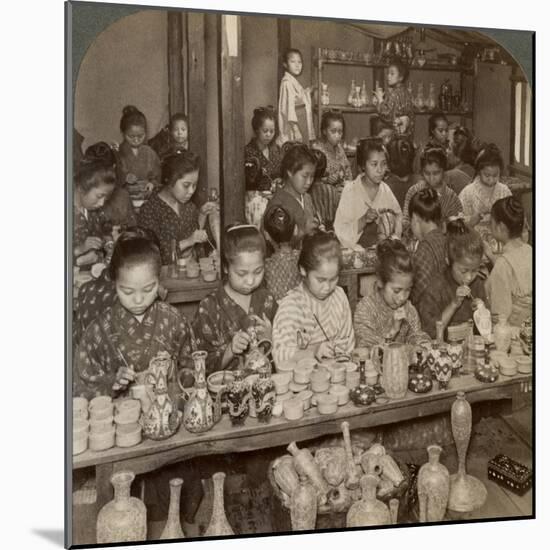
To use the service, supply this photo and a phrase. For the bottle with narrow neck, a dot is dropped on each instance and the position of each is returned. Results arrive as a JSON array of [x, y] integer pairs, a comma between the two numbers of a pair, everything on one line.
[[218, 526], [172, 529]]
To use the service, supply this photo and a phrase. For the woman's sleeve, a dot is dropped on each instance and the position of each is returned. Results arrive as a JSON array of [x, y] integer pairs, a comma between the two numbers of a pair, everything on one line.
[[415, 333], [208, 335], [285, 327], [346, 336], [345, 226], [147, 218], [499, 291], [430, 310], [367, 333], [466, 199]]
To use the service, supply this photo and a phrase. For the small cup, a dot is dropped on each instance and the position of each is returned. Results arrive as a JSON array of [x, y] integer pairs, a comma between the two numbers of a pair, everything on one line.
[[281, 381], [508, 366], [80, 443], [101, 413], [80, 428], [293, 409], [341, 393], [320, 381], [338, 373], [525, 364], [286, 366], [352, 380], [302, 373], [277, 409], [284, 397], [209, 275], [327, 403], [102, 441], [305, 396], [101, 426], [297, 388], [128, 436], [315, 396]]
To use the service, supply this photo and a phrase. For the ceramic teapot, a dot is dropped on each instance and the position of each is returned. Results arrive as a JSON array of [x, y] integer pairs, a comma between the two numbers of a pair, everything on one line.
[[163, 418], [394, 367], [200, 411], [257, 356]]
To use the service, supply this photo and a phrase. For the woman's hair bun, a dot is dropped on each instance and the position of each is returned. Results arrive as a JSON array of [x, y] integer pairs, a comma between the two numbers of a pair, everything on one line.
[[99, 153], [129, 109]]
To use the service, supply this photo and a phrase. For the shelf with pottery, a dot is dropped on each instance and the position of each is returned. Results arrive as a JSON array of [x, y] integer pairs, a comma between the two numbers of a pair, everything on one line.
[[372, 110]]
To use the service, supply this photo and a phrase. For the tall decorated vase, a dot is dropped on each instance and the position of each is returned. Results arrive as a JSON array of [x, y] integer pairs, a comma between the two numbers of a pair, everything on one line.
[[467, 492], [433, 487], [172, 529], [303, 505], [123, 519], [218, 526], [369, 510]]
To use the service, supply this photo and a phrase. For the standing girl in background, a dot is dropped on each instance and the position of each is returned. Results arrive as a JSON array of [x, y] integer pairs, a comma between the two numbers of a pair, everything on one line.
[[386, 313], [172, 139], [332, 132], [368, 210], [316, 314], [397, 108], [224, 317], [430, 256], [281, 268], [452, 295], [137, 162], [297, 170], [510, 283], [95, 182], [433, 163], [170, 214], [295, 114]]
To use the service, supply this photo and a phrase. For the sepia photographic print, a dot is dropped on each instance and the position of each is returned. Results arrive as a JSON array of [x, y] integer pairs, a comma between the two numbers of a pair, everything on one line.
[[301, 274]]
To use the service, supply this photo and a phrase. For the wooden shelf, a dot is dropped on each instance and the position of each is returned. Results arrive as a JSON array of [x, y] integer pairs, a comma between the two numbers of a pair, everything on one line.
[[427, 67], [372, 110]]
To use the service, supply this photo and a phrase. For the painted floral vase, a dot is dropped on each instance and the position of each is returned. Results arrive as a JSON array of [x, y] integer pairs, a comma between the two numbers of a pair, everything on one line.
[[443, 367], [455, 351], [172, 529], [238, 397], [263, 394], [123, 519], [362, 395], [433, 487]]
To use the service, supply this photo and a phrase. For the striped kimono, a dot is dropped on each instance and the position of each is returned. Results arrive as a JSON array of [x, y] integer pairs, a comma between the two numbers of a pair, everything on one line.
[[296, 315]]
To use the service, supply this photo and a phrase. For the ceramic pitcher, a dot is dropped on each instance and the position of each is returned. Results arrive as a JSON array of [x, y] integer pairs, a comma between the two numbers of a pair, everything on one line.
[[394, 367]]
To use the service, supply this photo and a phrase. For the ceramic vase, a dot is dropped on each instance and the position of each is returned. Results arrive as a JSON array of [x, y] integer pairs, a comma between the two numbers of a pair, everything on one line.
[[218, 526], [467, 493], [305, 464], [124, 519], [263, 393], [303, 506], [455, 351], [433, 487], [368, 511], [325, 96], [362, 395], [431, 103], [443, 367], [502, 334], [395, 369], [352, 475], [285, 474], [351, 92], [172, 529], [238, 396]]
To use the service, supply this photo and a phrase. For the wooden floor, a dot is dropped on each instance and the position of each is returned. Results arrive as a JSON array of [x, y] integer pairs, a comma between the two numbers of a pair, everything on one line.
[[252, 508]]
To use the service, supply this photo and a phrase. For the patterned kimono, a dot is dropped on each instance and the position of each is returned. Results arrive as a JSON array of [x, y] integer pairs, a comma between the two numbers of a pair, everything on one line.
[[298, 318], [281, 272], [510, 284], [160, 218], [294, 112], [439, 294], [337, 162], [325, 202], [373, 319], [398, 102], [116, 330], [219, 317], [87, 223], [270, 168], [145, 166]]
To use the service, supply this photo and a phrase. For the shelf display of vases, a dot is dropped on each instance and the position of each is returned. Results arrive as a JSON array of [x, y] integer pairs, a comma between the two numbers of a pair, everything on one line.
[[123, 519], [467, 493], [172, 529], [433, 487], [218, 526]]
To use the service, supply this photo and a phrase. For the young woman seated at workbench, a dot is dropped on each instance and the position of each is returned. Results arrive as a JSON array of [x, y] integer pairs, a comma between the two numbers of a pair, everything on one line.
[[315, 316]]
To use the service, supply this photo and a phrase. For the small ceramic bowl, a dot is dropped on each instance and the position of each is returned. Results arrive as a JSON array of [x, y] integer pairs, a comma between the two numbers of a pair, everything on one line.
[[127, 405], [284, 397], [102, 441], [293, 409], [287, 366], [209, 275], [305, 396], [307, 362], [320, 381], [302, 373], [80, 414], [281, 381], [338, 373], [80, 443], [508, 366], [80, 428], [128, 437], [315, 396], [219, 380], [100, 402], [351, 367], [525, 364], [327, 403], [124, 418], [192, 271], [352, 380], [80, 406], [341, 393], [101, 413], [101, 426], [297, 388]]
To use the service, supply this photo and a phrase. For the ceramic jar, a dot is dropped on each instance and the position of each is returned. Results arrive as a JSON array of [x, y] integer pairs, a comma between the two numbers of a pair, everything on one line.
[[238, 396], [263, 394], [124, 519], [320, 381], [395, 369], [218, 526], [293, 408], [433, 487], [455, 351], [502, 334], [303, 505], [172, 529], [305, 464], [368, 511], [443, 367]]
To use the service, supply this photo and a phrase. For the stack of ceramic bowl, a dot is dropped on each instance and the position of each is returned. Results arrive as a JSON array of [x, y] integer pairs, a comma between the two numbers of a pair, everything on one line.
[[181, 267], [192, 269], [208, 269], [102, 431], [80, 425], [128, 429]]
